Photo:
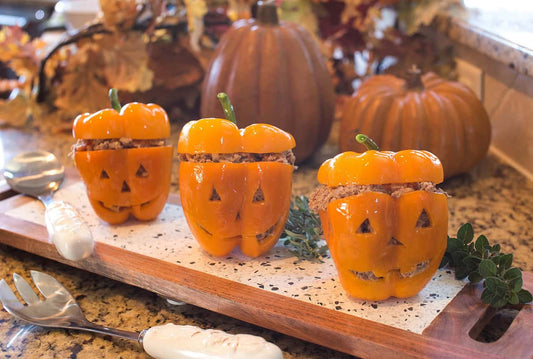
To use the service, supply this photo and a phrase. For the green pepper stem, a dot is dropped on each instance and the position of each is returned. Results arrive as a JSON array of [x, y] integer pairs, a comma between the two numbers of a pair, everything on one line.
[[367, 141], [113, 97], [227, 107]]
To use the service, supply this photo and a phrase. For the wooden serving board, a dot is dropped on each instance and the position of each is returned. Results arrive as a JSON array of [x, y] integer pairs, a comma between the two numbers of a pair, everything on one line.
[[302, 300]]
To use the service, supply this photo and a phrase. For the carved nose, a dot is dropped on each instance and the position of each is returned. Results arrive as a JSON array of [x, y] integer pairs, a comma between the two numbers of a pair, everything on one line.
[[394, 242], [125, 187]]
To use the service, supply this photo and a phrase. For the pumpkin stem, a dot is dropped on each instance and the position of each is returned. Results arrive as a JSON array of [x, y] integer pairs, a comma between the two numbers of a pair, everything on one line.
[[227, 107], [113, 97], [367, 141], [267, 13], [414, 78]]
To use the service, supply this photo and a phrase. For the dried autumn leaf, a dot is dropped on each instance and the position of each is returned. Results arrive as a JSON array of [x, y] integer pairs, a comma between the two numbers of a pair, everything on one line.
[[15, 112], [21, 54], [83, 88], [119, 14], [175, 65], [125, 62], [412, 16], [19, 111]]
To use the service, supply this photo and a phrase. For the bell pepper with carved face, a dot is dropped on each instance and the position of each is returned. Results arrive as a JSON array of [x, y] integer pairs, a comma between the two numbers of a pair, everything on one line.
[[124, 160], [235, 185], [384, 220]]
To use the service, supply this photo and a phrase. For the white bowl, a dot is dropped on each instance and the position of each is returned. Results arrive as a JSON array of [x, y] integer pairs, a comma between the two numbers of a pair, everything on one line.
[[77, 12]]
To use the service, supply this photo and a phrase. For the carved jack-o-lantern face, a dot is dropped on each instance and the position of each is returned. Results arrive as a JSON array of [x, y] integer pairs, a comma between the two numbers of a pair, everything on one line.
[[129, 181], [386, 245], [126, 181], [236, 204], [229, 204]]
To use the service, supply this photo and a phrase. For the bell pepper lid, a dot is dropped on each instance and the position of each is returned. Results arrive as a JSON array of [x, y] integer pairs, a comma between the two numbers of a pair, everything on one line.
[[380, 167], [216, 135], [135, 120]]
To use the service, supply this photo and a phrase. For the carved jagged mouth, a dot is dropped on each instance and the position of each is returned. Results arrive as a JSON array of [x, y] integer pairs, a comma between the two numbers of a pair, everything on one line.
[[260, 237], [420, 267], [118, 209]]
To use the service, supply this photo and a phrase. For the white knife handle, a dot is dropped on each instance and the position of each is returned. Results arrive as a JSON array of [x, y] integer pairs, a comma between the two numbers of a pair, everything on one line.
[[171, 341], [69, 233]]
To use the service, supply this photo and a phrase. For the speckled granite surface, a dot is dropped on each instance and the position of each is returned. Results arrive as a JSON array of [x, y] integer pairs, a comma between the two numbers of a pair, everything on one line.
[[505, 37], [494, 197]]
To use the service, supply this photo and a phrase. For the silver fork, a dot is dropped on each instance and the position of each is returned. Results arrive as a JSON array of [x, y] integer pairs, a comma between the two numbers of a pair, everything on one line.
[[59, 309]]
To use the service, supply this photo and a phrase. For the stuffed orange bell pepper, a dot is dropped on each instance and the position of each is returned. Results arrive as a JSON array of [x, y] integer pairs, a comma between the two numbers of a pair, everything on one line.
[[235, 185], [123, 157], [384, 220]]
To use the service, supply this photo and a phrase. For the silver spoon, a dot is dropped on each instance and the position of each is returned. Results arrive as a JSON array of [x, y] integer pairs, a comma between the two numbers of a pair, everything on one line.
[[39, 174]]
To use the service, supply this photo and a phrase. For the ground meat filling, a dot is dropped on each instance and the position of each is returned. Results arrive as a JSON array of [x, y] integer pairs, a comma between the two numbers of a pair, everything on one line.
[[239, 157], [116, 144], [370, 276], [321, 197]]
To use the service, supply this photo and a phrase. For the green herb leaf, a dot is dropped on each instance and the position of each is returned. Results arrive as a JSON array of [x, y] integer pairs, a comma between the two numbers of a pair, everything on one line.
[[465, 233], [495, 284], [516, 284], [475, 277], [514, 299], [495, 248], [303, 231], [512, 274], [487, 268], [506, 261], [487, 296], [482, 243], [480, 261], [524, 296], [499, 302]]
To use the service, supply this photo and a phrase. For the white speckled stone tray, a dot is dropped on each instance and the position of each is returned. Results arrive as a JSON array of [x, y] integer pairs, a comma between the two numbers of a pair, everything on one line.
[[169, 239]]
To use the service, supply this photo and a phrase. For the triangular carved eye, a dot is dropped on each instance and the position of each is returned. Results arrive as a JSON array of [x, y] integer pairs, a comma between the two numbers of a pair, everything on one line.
[[125, 187], [104, 174], [141, 172], [259, 196], [214, 195], [423, 220], [365, 227]]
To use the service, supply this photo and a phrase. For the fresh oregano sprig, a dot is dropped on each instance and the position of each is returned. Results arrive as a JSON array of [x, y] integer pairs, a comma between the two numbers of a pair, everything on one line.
[[303, 231], [479, 261]]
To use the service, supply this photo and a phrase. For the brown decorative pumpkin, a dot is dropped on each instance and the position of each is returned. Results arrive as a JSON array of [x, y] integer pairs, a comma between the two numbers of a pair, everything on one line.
[[274, 73], [423, 112]]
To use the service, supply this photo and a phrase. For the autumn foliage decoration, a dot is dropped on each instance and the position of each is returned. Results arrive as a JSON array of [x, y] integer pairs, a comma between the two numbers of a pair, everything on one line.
[[147, 60]]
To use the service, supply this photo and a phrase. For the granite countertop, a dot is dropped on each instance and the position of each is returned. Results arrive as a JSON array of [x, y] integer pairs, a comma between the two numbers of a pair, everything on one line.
[[501, 34], [494, 197]]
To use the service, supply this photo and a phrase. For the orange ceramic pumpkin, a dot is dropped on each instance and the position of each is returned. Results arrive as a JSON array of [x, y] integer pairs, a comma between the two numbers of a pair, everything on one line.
[[424, 112], [275, 73]]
